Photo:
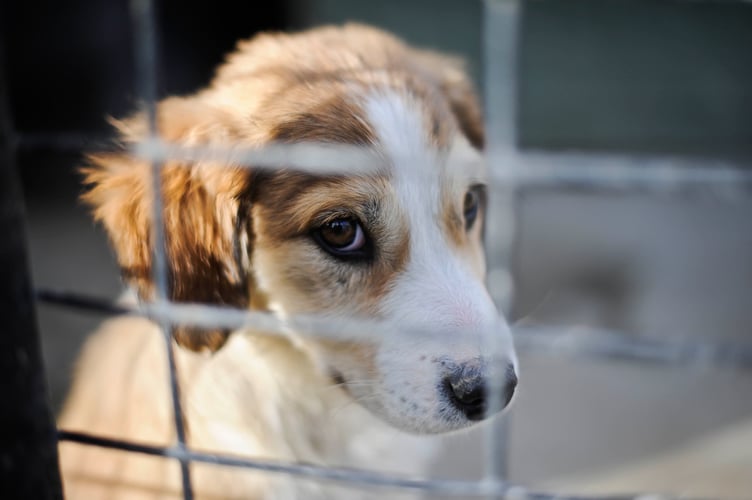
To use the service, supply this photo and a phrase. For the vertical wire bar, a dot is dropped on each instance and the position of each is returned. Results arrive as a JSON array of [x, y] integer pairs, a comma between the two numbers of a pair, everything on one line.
[[500, 32], [145, 40]]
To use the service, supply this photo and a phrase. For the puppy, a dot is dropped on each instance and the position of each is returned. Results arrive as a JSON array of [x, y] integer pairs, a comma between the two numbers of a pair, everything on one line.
[[399, 244]]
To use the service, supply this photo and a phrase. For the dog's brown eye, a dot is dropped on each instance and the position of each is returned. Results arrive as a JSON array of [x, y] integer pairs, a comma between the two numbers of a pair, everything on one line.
[[342, 238], [471, 206], [342, 234]]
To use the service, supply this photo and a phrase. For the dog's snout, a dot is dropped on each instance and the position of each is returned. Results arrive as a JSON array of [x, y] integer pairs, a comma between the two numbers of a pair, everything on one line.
[[466, 388], [510, 384]]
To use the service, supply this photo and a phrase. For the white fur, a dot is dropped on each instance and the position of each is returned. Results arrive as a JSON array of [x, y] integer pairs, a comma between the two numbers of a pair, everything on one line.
[[437, 293]]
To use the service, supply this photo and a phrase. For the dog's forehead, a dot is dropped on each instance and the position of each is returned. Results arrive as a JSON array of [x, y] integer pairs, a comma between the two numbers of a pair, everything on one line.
[[421, 146]]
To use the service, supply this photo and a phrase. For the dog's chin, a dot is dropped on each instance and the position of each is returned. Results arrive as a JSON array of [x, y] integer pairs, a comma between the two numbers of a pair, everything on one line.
[[442, 422], [406, 416]]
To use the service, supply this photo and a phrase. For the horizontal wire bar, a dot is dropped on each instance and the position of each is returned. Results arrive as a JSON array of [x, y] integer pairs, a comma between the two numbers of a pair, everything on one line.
[[206, 316], [572, 341], [84, 302], [598, 170], [347, 475], [599, 343], [314, 157], [533, 168], [526, 168]]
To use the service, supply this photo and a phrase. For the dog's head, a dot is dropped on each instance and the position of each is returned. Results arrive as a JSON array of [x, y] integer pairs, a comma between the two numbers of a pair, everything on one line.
[[400, 243]]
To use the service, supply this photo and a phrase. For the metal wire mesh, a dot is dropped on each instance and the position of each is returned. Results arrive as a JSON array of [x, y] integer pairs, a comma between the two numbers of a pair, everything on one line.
[[510, 170]]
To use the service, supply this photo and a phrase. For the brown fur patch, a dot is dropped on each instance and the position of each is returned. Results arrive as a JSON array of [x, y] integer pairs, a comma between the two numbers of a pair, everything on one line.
[[334, 120], [452, 221], [200, 204]]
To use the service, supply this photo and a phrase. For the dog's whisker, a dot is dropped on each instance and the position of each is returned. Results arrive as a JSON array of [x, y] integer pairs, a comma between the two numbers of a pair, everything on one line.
[[355, 400], [354, 383], [536, 309]]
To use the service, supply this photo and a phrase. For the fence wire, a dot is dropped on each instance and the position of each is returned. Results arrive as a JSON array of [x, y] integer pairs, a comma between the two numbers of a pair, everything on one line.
[[145, 45], [510, 170], [575, 341]]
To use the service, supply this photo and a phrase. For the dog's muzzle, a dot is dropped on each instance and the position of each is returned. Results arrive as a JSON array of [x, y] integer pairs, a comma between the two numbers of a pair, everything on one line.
[[466, 388]]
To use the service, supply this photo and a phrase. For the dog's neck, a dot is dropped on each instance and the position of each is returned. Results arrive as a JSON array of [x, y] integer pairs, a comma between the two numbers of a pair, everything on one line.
[[263, 395]]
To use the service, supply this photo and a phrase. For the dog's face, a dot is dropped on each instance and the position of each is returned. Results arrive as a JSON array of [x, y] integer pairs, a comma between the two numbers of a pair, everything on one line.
[[400, 243]]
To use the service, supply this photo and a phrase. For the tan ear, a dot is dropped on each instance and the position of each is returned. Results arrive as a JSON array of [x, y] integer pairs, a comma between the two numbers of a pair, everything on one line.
[[204, 210], [450, 75]]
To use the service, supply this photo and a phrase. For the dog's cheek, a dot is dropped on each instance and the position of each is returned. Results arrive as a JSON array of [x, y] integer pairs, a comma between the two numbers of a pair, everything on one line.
[[473, 254], [353, 359], [409, 381], [298, 278], [313, 287]]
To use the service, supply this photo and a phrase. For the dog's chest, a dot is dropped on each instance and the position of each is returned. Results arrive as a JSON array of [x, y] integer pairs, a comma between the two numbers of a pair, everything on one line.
[[259, 398]]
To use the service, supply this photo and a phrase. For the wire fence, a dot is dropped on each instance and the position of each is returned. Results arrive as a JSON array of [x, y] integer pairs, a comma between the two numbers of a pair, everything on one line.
[[510, 169]]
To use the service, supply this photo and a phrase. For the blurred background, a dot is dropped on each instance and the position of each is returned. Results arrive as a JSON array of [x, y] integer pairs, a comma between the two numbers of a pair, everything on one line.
[[617, 76]]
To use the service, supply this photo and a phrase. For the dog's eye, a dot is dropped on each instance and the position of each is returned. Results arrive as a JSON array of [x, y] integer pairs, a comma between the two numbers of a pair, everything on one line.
[[471, 206], [342, 238]]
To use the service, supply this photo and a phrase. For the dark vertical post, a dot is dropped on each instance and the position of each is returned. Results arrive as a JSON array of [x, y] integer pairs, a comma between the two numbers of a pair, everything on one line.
[[501, 21], [28, 443]]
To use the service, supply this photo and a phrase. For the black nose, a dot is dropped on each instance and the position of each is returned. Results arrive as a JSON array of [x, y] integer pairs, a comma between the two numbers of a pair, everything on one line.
[[466, 389]]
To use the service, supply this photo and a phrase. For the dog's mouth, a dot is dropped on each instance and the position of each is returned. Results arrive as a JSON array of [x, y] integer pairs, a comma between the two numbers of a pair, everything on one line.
[[339, 380]]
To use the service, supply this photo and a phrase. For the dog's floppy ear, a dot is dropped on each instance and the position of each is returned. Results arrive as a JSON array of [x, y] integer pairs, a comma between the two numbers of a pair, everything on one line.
[[206, 215], [450, 75]]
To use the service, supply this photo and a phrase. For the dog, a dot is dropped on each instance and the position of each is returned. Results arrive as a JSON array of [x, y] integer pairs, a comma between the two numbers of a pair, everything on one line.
[[400, 244]]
